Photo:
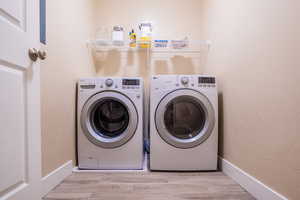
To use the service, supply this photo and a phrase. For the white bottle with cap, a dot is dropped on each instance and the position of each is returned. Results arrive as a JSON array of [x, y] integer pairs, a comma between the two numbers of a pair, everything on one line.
[[118, 35]]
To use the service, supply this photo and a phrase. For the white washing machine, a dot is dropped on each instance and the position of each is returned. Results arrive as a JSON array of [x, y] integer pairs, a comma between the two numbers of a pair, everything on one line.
[[110, 123], [183, 123]]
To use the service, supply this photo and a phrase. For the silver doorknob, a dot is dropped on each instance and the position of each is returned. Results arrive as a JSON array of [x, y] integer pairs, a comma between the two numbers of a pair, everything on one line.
[[33, 54], [42, 54]]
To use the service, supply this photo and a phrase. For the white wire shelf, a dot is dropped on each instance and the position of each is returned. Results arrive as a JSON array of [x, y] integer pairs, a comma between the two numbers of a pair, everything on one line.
[[194, 46]]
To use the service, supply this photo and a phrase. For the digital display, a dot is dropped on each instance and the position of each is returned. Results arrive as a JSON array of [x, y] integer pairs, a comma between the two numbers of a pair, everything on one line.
[[207, 80], [131, 82]]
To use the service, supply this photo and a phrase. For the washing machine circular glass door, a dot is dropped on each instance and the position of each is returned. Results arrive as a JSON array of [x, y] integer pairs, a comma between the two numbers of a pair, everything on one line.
[[184, 118], [109, 119]]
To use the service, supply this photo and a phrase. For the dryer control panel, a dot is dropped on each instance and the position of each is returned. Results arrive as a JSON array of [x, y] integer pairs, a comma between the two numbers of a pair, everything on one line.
[[167, 82], [196, 81]]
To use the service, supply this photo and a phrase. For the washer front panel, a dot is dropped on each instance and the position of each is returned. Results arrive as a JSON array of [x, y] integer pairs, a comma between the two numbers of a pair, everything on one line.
[[184, 118], [105, 132]]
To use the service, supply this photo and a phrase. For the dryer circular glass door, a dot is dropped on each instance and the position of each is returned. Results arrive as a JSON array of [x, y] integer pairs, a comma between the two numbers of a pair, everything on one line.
[[184, 118], [109, 119]]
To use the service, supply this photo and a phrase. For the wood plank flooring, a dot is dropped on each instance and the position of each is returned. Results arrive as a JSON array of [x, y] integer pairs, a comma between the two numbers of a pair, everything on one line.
[[148, 186]]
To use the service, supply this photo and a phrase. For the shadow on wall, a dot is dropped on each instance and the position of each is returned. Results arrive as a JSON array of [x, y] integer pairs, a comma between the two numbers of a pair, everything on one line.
[[221, 125], [143, 69], [183, 65], [120, 63], [107, 62], [178, 64], [136, 63], [174, 65], [75, 125]]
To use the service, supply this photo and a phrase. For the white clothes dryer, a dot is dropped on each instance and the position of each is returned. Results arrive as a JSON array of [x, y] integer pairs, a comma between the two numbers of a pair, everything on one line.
[[183, 123]]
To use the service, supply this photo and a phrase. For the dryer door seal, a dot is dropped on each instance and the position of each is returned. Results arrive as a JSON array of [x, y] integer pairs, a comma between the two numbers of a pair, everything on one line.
[[109, 119], [184, 118]]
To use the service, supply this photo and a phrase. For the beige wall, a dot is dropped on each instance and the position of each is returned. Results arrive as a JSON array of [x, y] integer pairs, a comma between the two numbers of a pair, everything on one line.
[[69, 25], [255, 55]]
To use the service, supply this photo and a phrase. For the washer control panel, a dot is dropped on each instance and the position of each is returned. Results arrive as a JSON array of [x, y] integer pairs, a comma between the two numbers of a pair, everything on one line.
[[109, 83], [131, 83]]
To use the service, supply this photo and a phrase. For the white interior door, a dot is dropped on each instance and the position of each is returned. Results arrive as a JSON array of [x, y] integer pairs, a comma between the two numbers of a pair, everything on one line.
[[20, 154]]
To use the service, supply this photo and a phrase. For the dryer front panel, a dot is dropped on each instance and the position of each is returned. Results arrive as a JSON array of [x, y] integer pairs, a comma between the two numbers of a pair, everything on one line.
[[109, 119], [184, 118]]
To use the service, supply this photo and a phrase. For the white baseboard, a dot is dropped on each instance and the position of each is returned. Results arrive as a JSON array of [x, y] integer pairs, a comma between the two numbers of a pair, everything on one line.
[[256, 188], [51, 180]]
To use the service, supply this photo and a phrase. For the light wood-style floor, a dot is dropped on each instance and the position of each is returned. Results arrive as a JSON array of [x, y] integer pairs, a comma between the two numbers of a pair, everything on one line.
[[148, 186]]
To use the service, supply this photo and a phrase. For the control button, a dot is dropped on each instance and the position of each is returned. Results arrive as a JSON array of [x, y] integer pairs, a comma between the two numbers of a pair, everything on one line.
[[109, 82], [184, 80]]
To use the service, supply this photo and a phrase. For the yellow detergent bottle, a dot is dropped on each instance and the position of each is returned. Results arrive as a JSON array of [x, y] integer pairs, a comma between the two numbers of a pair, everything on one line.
[[132, 37], [146, 34]]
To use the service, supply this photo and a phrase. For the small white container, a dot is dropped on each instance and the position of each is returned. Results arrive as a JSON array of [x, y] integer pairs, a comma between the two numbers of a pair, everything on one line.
[[118, 35]]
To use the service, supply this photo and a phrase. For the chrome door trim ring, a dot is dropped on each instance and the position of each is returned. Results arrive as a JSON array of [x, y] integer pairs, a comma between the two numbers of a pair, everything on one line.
[[102, 141], [199, 138]]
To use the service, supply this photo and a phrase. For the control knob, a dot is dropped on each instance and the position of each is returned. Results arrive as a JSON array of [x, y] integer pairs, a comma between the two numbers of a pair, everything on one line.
[[184, 80], [109, 82]]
